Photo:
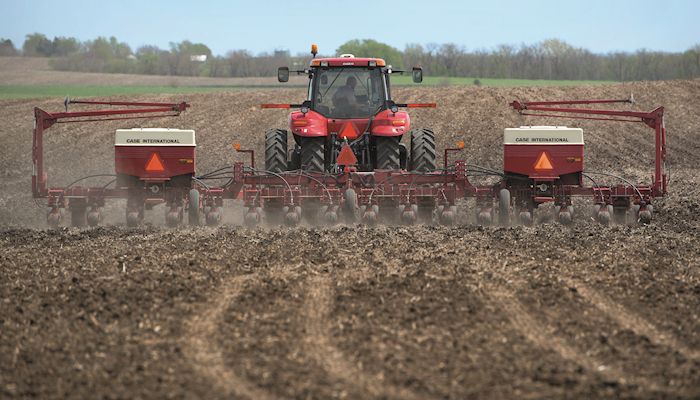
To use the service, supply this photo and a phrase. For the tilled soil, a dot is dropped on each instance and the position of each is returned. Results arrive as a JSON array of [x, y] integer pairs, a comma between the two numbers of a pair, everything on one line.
[[423, 312], [351, 312]]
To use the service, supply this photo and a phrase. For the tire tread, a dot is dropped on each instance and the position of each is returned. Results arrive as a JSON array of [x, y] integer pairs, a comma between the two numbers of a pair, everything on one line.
[[276, 150], [423, 153]]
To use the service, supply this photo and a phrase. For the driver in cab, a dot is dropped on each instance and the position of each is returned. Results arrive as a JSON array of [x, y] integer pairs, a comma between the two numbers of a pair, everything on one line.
[[344, 97]]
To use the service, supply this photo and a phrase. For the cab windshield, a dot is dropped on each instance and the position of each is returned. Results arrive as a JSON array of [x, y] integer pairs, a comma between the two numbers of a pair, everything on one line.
[[349, 92]]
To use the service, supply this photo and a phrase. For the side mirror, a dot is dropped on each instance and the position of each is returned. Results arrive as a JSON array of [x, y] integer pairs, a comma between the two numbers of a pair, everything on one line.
[[283, 74], [417, 75]]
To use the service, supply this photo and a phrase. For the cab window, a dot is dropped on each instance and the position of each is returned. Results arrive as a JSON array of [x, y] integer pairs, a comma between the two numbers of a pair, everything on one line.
[[348, 92]]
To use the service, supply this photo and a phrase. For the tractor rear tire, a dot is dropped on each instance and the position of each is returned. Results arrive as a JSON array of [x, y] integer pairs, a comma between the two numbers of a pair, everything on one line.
[[312, 154], [294, 159], [423, 154], [388, 152], [276, 150]]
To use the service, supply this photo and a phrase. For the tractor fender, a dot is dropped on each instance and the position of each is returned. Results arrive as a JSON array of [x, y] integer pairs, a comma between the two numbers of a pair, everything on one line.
[[387, 123], [311, 124]]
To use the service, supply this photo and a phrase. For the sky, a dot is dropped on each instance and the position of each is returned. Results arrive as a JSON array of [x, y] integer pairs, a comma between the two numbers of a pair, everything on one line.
[[267, 25]]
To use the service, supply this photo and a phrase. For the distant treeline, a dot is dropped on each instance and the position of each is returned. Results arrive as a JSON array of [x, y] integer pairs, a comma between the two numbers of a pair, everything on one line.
[[550, 59]]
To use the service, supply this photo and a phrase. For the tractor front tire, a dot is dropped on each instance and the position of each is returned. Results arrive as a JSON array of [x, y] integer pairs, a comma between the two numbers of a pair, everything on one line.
[[312, 154], [423, 154], [276, 150], [388, 153]]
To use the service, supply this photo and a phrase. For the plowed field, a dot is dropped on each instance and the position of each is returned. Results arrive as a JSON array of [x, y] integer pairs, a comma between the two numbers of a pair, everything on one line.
[[549, 311]]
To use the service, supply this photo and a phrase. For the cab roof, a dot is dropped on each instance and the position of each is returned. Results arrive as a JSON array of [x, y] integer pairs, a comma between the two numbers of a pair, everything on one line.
[[347, 60]]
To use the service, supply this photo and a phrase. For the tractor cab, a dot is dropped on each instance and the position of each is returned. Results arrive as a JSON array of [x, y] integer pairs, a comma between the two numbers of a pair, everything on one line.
[[348, 87], [348, 103]]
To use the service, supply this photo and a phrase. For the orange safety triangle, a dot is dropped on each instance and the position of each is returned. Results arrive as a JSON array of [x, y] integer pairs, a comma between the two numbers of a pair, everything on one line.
[[543, 162], [346, 156], [349, 131], [155, 164]]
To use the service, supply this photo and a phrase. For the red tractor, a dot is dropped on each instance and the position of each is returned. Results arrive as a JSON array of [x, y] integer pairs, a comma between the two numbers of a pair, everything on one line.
[[349, 102]]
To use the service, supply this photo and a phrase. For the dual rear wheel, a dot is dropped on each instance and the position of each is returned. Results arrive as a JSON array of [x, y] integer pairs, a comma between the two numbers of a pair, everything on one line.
[[423, 156], [311, 157]]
